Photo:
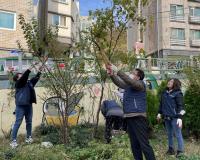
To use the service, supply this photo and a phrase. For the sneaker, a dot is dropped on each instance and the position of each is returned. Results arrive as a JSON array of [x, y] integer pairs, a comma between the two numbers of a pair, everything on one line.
[[179, 154], [29, 140], [170, 151], [14, 144]]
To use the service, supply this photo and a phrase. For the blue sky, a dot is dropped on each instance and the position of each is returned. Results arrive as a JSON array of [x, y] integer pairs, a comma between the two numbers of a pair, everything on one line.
[[86, 5]]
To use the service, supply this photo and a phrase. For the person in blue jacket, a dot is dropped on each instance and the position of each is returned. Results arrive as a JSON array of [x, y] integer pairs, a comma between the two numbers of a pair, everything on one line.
[[172, 110], [24, 97], [134, 107]]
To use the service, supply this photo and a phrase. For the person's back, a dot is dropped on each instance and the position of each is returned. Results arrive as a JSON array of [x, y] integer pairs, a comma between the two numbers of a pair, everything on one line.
[[114, 120], [111, 108]]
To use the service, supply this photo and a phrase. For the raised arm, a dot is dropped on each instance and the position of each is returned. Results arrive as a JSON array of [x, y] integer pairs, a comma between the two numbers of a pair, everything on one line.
[[136, 84], [35, 79], [118, 81], [23, 80]]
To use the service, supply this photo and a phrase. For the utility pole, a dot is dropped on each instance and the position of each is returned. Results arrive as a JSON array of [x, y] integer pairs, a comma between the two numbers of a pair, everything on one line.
[[139, 25], [157, 23]]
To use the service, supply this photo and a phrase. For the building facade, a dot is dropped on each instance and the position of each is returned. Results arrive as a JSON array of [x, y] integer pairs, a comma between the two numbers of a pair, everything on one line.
[[10, 30], [172, 28], [64, 14]]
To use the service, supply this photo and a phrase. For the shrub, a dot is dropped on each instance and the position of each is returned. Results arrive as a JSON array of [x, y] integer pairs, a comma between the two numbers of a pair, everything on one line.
[[152, 107], [153, 100], [49, 133], [161, 88], [80, 136], [192, 107], [96, 150], [192, 102]]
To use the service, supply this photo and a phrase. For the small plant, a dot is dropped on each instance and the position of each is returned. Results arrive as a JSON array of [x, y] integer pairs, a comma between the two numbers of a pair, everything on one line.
[[49, 134], [9, 154]]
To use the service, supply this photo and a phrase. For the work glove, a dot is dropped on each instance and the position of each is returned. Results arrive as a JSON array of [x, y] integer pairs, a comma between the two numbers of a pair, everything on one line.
[[179, 123], [114, 68], [182, 112], [158, 117]]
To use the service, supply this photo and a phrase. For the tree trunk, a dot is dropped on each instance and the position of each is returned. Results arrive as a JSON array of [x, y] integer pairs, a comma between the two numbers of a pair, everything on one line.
[[98, 110]]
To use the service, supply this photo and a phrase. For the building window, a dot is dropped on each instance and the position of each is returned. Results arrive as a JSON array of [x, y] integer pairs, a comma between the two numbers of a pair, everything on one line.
[[176, 12], [58, 20], [195, 11], [178, 33], [177, 37], [62, 1], [7, 20], [195, 34]]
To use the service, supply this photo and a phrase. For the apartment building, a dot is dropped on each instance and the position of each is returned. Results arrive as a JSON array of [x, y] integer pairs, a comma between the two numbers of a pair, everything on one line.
[[64, 14], [10, 30], [85, 22], [172, 28]]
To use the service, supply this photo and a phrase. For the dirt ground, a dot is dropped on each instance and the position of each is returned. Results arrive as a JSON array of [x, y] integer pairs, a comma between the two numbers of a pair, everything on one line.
[[89, 102]]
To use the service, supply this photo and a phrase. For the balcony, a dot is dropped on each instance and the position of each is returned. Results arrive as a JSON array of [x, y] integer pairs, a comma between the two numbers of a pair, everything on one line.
[[194, 19], [195, 43], [177, 18], [177, 42]]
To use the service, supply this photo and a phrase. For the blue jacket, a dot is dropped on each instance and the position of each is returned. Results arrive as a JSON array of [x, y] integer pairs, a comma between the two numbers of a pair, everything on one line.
[[24, 89], [134, 99], [171, 104]]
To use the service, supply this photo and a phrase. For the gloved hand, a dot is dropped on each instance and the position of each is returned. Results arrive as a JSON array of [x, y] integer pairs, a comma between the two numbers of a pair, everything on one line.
[[182, 112], [179, 122], [158, 117], [114, 68]]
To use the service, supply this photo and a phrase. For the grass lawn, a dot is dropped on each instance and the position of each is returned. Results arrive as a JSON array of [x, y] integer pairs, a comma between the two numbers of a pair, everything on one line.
[[83, 147]]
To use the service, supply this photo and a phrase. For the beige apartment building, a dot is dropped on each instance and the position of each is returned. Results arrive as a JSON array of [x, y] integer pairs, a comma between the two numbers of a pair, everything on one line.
[[10, 30], [64, 13], [172, 28]]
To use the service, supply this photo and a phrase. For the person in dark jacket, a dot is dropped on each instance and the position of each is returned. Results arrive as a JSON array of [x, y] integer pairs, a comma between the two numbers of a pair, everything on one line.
[[134, 107], [172, 110], [24, 97], [113, 114]]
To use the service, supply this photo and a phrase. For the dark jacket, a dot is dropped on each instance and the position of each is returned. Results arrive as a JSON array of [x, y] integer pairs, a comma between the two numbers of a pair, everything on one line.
[[134, 100], [111, 108], [25, 92], [171, 104]]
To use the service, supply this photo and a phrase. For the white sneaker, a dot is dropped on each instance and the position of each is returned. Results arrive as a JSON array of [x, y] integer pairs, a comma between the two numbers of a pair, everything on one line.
[[29, 140], [14, 144]]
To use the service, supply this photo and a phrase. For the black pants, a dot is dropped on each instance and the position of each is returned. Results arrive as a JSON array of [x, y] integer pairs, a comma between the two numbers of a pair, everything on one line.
[[113, 122], [138, 134]]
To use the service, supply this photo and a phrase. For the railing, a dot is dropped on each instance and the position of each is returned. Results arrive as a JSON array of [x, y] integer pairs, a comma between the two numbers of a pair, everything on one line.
[[177, 42], [162, 64], [177, 18], [194, 19], [195, 43]]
